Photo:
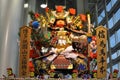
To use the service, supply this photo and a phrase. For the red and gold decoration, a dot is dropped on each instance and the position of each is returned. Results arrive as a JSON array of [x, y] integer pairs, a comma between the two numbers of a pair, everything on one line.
[[62, 44]]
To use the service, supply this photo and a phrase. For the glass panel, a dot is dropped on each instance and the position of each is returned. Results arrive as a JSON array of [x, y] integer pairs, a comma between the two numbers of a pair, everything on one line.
[[117, 16], [101, 16], [118, 52], [109, 6], [103, 13], [110, 23], [114, 56], [99, 19], [112, 41], [113, 2], [118, 36]]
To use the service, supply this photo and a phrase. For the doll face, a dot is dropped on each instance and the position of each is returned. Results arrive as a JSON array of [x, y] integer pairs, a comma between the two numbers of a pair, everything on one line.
[[9, 72], [95, 75], [60, 23], [93, 45], [115, 75], [31, 74]]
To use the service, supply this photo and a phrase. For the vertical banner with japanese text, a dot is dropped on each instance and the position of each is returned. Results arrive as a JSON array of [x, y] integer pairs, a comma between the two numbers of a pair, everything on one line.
[[101, 36], [25, 33]]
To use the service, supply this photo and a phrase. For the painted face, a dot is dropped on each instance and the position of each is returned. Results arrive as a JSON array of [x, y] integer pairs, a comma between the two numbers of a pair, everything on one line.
[[95, 75], [115, 75], [9, 72], [60, 23], [93, 45], [31, 74]]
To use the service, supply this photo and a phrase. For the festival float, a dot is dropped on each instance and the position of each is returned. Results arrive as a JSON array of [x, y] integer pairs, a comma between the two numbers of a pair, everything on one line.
[[61, 44]]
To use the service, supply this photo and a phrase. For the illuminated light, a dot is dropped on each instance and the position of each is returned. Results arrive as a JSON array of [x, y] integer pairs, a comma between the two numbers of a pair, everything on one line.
[[43, 5], [26, 5]]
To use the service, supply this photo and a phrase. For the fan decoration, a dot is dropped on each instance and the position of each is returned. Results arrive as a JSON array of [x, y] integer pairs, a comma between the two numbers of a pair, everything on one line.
[[59, 44]]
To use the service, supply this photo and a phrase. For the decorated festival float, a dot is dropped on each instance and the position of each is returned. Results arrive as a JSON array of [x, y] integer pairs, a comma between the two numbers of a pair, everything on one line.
[[63, 45]]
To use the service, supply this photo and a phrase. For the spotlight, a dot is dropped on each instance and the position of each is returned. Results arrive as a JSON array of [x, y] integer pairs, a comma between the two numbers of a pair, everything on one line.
[[44, 4], [26, 5]]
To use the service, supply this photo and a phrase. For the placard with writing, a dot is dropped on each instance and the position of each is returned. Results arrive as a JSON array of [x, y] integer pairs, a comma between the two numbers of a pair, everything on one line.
[[101, 36], [25, 33]]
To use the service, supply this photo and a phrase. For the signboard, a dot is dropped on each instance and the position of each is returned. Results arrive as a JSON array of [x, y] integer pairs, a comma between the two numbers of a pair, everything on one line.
[[101, 36], [25, 33]]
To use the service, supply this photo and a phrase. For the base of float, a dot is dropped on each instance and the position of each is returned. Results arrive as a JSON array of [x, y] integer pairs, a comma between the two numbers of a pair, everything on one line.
[[56, 79]]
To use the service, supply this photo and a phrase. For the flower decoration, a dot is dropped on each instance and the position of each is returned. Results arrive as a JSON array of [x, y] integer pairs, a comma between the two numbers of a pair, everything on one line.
[[33, 54], [37, 15], [83, 17], [59, 8], [35, 24], [46, 9], [94, 38], [93, 55], [31, 66], [72, 11]]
